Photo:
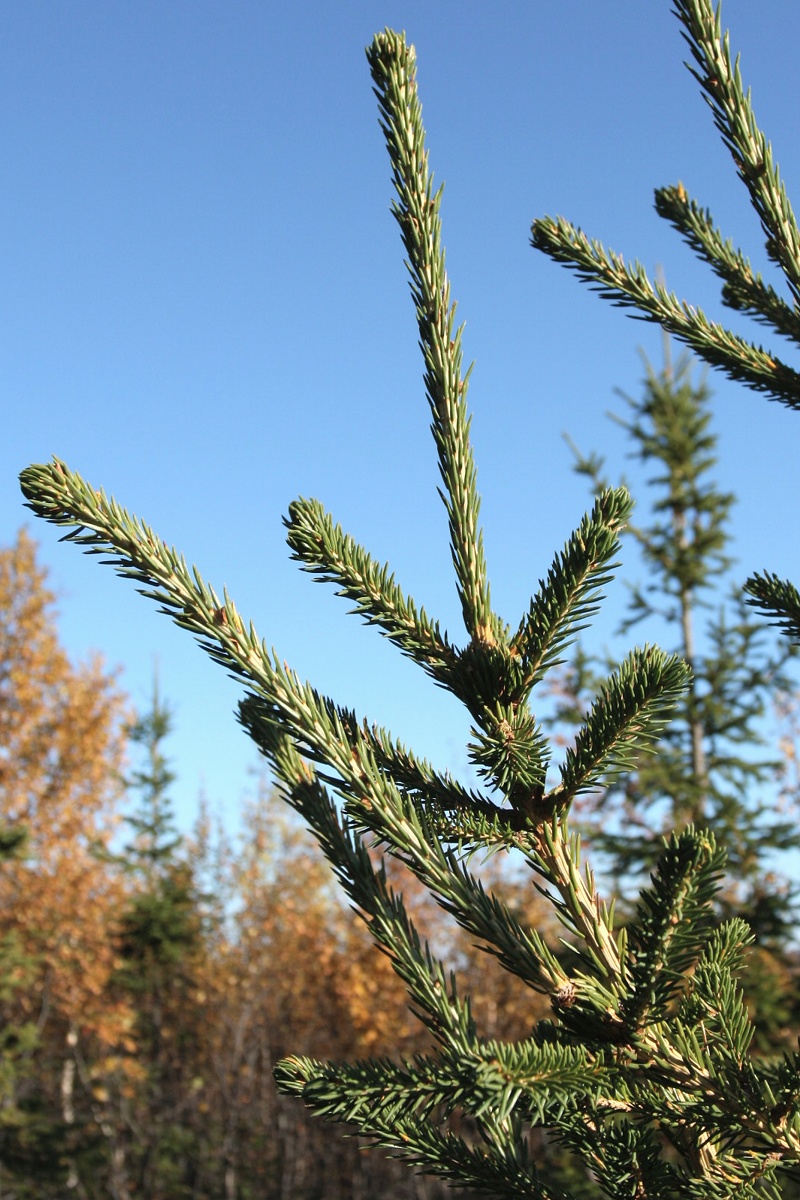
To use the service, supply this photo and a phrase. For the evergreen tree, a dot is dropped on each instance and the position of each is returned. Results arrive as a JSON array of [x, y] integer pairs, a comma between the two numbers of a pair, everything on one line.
[[643, 1073], [713, 768], [154, 822], [160, 929], [159, 940]]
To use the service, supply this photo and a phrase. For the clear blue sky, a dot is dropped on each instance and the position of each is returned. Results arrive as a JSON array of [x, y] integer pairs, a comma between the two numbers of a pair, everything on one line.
[[205, 311]]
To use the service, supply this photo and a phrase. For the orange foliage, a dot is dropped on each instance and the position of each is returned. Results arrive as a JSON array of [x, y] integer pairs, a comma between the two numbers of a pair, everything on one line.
[[61, 748]]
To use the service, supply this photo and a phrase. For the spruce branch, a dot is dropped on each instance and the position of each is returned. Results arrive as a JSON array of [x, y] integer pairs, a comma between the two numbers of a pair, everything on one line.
[[625, 1157], [431, 988], [390, 1117], [629, 287], [362, 1091], [569, 596], [537, 1079], [776, 598], [398, 823], [327, 733], [715, 1000], [333, 556], [674, 917], [631, 709], [743, 288], [393, 66], [414, 777], [720, 78], [503, 1168]]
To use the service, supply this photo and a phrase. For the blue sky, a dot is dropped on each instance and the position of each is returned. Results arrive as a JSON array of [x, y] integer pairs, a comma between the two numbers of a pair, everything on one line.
[[205, 310]]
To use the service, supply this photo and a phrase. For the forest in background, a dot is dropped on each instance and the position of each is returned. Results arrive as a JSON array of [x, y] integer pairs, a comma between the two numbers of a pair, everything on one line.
[[150, 981], [666, 1064]]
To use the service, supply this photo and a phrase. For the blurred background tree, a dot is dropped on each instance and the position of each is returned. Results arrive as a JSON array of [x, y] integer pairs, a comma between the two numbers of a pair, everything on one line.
[[726, 761]]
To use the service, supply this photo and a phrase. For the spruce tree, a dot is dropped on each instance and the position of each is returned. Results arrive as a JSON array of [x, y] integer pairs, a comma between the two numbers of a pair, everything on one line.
[[153, 823], [159, 938], [643, 1073], [717, 765], [714, 767], [160, 928]]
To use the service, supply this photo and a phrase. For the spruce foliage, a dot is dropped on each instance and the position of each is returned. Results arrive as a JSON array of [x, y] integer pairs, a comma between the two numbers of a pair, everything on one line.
[[643, 1073]]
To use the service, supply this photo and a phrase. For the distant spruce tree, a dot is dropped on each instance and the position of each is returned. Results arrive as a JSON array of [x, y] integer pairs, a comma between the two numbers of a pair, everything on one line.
[[160, 937], [714, 766], [643, 1075], [161, 924], [153, 823]]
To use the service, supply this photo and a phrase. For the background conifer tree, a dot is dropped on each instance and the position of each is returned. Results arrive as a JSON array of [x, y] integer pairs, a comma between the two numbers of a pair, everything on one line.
[[643, 1073], [153, 823], [715, 767], [161, 927], [160, 945]]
